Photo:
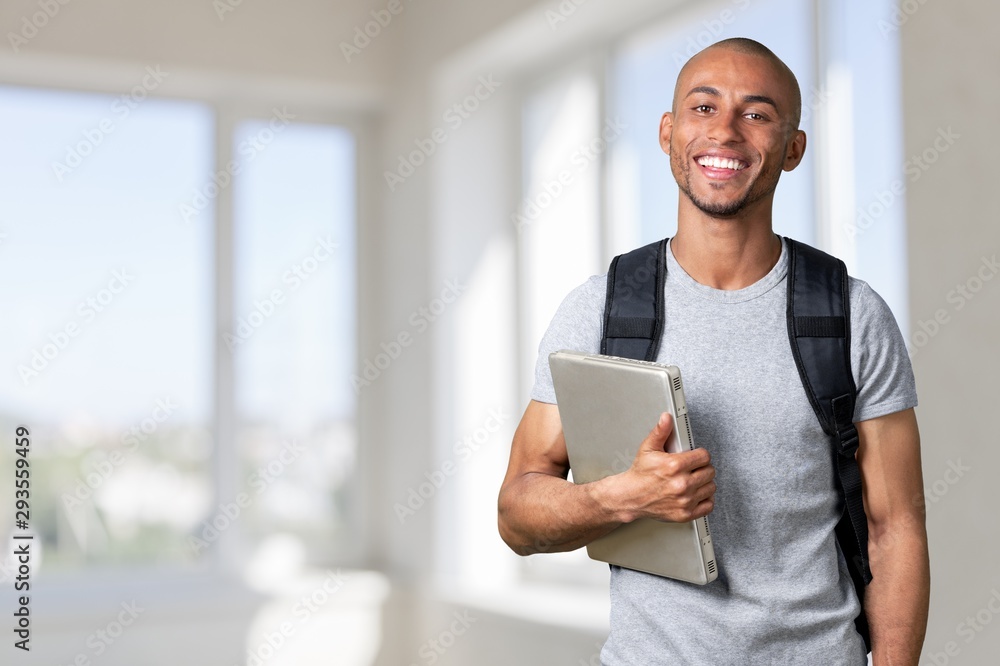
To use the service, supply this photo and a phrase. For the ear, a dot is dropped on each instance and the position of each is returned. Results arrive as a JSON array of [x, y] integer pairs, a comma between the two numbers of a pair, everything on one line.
[[666, 127], [795, 150]]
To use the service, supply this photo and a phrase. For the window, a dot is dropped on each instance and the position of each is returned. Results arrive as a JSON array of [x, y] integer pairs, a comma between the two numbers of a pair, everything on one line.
[[293, 344], [109, 261], [108, 298]]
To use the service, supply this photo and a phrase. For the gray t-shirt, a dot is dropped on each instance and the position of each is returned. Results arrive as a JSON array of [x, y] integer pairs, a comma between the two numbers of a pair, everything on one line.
[[784, 594]]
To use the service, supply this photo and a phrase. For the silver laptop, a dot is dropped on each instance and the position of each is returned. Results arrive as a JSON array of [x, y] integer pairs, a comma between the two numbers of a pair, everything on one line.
[[607, 406]]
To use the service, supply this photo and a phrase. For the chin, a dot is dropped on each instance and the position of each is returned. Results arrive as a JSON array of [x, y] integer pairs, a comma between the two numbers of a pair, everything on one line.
[[721, 213], [721, 209]]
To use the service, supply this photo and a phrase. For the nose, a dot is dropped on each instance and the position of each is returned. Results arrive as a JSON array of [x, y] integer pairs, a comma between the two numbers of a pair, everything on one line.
[[725, 128]]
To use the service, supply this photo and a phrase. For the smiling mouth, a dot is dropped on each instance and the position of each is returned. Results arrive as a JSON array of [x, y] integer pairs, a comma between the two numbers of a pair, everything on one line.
[[721, 163]]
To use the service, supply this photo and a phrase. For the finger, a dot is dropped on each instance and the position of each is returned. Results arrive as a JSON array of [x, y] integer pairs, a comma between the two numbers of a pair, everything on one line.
[[657, 437], [689, 461], [705, 492], [704, 508], [702, 475]]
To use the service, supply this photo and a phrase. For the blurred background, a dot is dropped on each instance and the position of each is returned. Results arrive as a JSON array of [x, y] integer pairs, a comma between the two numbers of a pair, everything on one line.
[[273, 276]]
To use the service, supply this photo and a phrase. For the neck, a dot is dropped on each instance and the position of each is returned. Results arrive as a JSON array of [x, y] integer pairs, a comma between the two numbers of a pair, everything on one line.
[[730, 253]]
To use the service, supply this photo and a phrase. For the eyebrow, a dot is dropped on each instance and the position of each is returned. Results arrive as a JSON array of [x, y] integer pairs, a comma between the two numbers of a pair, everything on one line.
[[750, 99]]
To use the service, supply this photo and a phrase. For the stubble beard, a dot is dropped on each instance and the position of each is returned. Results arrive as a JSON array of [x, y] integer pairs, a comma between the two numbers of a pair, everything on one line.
[[728, 209]]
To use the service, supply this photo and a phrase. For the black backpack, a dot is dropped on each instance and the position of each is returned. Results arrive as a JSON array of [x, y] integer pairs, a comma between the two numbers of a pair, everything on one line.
[[819, 332]]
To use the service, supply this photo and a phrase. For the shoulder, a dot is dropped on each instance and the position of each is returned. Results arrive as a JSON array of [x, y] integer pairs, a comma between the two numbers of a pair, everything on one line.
[[879, 359]]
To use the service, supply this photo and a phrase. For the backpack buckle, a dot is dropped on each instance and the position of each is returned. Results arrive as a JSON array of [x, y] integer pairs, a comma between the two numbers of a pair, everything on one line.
[[847, 441]]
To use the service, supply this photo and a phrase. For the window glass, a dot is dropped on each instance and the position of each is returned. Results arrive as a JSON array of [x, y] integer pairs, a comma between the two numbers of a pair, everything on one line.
[[108, 295], [294, 338]]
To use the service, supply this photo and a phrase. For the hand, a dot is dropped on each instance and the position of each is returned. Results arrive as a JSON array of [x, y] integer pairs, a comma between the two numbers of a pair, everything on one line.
[[672, 487]]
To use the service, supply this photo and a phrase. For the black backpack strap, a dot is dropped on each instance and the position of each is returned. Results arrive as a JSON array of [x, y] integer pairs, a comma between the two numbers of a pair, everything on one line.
[[819, 330], [633, 309]]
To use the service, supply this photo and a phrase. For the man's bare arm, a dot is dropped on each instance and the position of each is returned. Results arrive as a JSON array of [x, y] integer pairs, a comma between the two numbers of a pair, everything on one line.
[[540, 511], [897, 599]]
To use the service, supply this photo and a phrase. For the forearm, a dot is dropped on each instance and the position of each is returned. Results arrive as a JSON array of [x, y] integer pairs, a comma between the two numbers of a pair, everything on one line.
[[541, 513], [897, 598]]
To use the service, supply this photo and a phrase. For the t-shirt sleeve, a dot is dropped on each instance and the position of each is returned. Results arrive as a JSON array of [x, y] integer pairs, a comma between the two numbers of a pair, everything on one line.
[[881, 364], [576, 325]]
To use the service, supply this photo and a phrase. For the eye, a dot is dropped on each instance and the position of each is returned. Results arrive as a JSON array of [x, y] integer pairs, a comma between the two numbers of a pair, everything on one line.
[[755, 116], [703, 108]]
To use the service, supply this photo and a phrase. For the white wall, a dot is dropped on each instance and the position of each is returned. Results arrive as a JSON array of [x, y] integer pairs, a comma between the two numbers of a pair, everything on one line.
[[291, 39], [950, 59]]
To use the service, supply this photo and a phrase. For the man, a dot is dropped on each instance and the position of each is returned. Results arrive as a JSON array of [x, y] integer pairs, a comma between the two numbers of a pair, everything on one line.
[[766, 472]]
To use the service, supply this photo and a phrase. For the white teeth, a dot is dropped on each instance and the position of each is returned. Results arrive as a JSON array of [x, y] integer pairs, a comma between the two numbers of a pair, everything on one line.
[[721, 163]]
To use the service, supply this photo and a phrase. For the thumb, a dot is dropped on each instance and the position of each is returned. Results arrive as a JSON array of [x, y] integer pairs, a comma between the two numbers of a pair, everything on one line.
[[657, 437]]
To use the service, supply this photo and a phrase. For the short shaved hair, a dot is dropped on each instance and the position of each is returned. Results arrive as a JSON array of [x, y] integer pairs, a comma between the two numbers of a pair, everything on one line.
[[755, 48]]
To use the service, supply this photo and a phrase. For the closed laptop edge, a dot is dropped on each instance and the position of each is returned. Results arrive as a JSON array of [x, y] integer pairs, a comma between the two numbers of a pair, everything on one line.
[[607, 406]]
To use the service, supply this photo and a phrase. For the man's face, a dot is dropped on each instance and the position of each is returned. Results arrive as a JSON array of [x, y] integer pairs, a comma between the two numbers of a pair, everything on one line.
[[729, 137]]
